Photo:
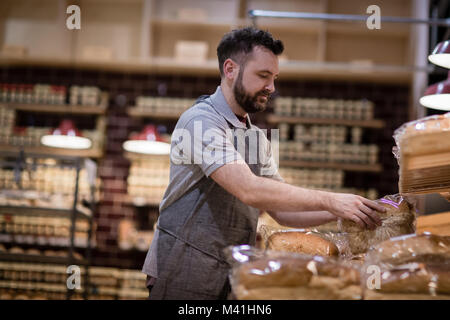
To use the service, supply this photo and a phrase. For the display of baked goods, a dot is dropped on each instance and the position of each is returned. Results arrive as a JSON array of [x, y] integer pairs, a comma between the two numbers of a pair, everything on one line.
[[399, 219], [411, 267], [411, 248], [423, 153], [280, 275], [301, 242]]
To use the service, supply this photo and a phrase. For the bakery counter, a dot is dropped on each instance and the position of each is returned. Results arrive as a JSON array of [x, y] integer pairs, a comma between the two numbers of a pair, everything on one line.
[[434, 223]]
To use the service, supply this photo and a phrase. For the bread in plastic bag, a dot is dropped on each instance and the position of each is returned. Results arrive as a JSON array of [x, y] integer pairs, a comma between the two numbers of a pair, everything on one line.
[[414, 136], [303, 241], [259, 274], [411, 267], [399, 219]]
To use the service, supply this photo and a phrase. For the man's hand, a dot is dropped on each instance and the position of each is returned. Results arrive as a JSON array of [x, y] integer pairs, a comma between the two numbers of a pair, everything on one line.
[[356, 208]]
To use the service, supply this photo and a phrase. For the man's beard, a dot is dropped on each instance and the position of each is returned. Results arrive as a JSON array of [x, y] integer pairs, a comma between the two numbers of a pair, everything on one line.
[[248, 102]]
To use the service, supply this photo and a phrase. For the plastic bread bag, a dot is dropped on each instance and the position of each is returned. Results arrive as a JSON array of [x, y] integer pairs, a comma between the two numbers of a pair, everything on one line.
[[414, 136], [265, 274], [408, 267], [306, 241], [426, 247], [399, 219]]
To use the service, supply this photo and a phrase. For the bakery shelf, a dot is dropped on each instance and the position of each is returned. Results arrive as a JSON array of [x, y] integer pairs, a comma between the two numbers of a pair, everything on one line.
[[65, 109], [12, 257], [51, 152], [184, 23], [332, 165], [376, 124], [61, 108], [43, 242], [137, 113], [37, 211], [290, 69]]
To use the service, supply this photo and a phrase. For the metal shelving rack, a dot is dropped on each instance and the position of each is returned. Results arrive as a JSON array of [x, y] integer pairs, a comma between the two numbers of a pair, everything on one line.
[[73, 213]]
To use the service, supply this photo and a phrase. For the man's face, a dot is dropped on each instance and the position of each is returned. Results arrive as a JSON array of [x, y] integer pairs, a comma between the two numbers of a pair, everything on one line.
[[255, 82]]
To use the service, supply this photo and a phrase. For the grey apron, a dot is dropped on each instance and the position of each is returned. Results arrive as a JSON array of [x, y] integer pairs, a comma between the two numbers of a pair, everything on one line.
[[193, 231]]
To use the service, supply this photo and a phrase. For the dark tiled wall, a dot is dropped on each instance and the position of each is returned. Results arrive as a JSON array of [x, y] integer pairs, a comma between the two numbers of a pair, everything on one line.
[[391, 105]]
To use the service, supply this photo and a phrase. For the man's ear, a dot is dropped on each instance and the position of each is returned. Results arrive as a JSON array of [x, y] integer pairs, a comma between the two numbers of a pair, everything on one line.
[[230, 69]]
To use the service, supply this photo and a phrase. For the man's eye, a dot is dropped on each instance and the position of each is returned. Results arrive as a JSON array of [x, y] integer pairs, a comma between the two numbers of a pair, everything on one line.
[[263, 76]]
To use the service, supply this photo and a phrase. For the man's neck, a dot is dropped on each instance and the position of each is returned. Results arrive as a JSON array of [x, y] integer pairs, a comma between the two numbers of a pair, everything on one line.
[[229, 97]]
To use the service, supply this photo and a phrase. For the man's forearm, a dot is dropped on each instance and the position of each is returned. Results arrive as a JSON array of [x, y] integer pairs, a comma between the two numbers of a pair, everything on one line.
[[274, 196], [302, 219]]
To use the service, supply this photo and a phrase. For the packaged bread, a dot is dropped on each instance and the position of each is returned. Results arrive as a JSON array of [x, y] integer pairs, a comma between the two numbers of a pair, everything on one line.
[[275, 275], [420, 136], [413, 281], [399, 219], [411, 267], [301, 242], [305, 241], [411, 248]]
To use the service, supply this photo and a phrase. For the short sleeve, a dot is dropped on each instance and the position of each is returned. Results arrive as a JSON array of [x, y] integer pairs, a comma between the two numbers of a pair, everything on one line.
[[205, 141], [269, 167]]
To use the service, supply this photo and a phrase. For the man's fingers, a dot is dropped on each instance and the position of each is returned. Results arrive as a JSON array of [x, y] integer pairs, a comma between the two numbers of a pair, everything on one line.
[[371, 214], [374, 205], [358, 221], [368, 223]]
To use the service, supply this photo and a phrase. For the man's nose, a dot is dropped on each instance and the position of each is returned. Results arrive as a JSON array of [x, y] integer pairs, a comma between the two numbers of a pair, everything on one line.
[[270, 87]]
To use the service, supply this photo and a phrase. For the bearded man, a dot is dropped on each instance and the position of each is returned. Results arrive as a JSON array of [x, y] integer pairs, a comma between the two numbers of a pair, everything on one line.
[[218, 187]]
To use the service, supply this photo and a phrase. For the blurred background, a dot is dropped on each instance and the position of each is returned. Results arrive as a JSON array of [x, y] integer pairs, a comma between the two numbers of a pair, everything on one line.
[[103, 73]]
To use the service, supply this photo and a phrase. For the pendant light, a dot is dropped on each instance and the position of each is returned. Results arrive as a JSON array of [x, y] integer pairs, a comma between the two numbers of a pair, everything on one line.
[[441, 54], [66, 136], [437, 96], [148, 141]]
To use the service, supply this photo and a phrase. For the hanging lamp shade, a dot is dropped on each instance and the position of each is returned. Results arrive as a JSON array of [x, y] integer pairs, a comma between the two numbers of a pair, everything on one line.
[[148, 141], [437, 96], [66, 136], [441, 54]]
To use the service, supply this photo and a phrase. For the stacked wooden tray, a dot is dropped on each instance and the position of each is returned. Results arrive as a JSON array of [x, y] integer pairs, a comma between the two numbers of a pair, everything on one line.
[[425, 157]]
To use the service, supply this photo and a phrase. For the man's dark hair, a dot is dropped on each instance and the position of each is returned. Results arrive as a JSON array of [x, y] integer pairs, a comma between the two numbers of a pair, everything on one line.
[[238, 43]]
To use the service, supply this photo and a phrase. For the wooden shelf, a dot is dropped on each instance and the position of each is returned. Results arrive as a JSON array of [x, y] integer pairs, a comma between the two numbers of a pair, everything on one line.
[[331, 165], [89, 153], [289, 69], [39, 259], [136, 113], [377, 124], [195, 23], [64, 109], [37, 211], [61, 108]]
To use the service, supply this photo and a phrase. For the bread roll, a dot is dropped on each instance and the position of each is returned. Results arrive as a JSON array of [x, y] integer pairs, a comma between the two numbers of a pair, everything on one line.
[[301, 242]]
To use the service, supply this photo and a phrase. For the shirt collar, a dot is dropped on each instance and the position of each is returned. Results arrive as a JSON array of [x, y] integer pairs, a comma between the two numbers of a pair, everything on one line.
[[220, 104]]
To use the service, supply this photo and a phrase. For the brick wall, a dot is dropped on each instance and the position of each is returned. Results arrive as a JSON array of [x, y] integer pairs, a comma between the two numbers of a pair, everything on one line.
[[391, 105]]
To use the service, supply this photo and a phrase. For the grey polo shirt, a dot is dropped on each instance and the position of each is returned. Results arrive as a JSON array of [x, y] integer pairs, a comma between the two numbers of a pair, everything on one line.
[[205, 138]]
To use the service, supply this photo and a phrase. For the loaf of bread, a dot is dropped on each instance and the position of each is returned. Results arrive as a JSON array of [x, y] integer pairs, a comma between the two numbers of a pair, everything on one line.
[[399, 213], [417, 278], [399, 219], [413, 266], [296, 277], [427, 248], [301, 242]]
